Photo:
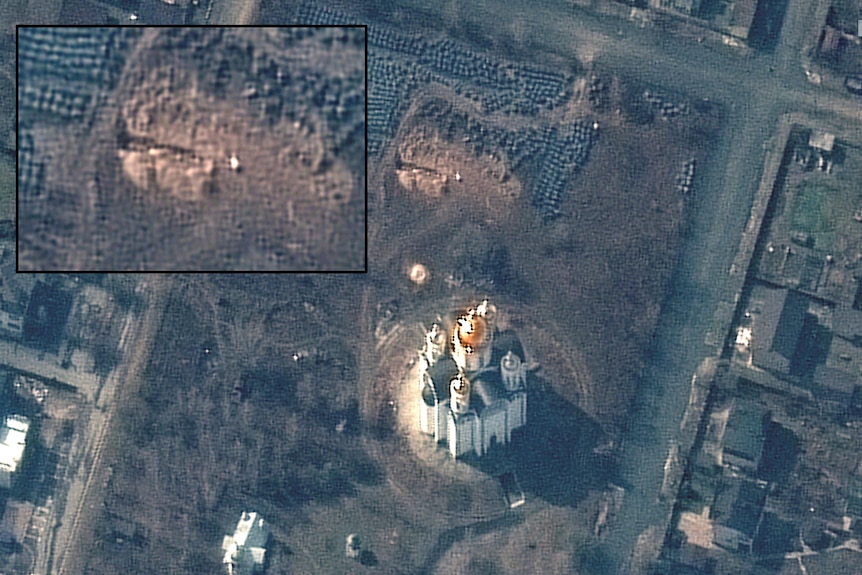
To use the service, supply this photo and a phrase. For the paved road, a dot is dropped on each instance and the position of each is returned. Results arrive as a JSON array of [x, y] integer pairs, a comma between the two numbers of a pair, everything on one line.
[[74, 533]]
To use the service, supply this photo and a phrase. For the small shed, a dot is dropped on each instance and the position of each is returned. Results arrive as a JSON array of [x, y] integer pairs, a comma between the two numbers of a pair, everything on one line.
[[821, 140]]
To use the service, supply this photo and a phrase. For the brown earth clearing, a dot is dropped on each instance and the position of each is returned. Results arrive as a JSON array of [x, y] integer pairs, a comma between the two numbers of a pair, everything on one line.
[[233, 149], [283, 396], [595, 277]]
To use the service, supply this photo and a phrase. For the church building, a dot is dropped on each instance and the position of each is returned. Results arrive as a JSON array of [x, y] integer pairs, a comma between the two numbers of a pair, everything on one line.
[[472, 383]]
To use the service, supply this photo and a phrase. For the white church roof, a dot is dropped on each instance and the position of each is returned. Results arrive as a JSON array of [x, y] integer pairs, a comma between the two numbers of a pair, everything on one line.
[[244, 550]]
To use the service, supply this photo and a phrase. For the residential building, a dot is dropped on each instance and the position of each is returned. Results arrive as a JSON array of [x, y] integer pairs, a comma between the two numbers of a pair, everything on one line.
[[778, 318], [847, 324], [742, 17], [11, 319], [687, 7], [835, 384], [745, 436], [245, 550], [13, 437], [737, 513]]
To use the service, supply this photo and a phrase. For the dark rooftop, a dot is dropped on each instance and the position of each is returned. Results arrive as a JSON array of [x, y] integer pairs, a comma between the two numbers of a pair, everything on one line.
[[781, 317], [739, 505], [743, 16], [441, 374], [834, 383], [847, 323], [488, 386], [786, 334], [46, 317], [746, 431]]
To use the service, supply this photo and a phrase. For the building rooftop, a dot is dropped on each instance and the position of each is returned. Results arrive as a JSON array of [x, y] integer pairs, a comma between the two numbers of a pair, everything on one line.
[[831, 41], [745, 433], [441, 373], [739, 505], [245, 550], [835, 383], [487, 387], [249, 531], [780, 319], [46, 316], [822, 140], [13, 436], [847, 323], [844, 355], [742, 17]]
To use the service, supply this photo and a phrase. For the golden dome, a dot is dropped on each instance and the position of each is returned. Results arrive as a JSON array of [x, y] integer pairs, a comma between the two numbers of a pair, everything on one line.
[[470, 331]]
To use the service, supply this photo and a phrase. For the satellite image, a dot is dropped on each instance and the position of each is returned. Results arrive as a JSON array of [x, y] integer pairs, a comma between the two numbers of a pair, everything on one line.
[[192, 149], [610, 320]]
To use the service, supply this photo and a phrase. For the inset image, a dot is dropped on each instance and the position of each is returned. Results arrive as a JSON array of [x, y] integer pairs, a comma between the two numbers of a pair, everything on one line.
[[191, 149]]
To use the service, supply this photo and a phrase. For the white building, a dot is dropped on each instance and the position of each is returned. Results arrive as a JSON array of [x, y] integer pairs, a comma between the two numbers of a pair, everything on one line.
[[472, 392], [13, 437], [245, 549]]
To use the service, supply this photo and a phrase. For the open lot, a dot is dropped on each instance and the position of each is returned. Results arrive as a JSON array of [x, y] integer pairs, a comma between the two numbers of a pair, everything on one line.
[[814, 212], [816, 217], [597, 273], [237, 412], [229, 149]]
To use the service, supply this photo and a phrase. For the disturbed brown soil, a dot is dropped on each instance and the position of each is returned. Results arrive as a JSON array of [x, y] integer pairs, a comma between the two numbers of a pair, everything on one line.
[[316, 446], [220, 150], [595, 277]]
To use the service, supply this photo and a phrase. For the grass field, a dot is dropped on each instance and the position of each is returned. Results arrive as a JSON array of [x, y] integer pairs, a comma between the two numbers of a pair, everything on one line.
[[7, 189], [815, 212]]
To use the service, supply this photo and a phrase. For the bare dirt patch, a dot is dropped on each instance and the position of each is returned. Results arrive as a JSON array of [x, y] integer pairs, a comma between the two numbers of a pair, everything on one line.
[[230, 149], [430, 165], [595, 277]]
